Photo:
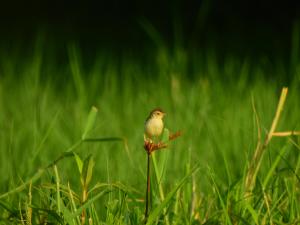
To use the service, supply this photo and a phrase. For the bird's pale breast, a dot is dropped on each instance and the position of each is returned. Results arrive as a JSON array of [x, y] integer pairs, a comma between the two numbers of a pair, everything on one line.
[[154, 127]]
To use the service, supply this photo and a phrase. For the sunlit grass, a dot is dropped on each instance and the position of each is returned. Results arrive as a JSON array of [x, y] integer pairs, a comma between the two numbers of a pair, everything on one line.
[[43, 116]]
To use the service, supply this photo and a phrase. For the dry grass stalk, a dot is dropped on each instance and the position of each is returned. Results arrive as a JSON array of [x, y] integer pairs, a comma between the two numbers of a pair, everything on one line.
[[286, 133], [261, 147]]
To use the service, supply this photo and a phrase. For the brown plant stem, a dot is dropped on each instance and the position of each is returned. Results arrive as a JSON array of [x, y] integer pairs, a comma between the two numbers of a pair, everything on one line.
[[148, 188]]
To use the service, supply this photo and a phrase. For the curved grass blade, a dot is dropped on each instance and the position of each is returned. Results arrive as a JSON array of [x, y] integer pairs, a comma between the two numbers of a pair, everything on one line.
[[62, 156]]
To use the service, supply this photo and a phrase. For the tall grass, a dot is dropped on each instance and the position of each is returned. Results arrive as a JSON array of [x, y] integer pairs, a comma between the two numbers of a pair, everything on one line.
[[43, 115]]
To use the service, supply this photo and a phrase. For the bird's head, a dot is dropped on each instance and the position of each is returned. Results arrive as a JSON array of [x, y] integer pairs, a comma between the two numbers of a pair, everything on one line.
[[157, 113]]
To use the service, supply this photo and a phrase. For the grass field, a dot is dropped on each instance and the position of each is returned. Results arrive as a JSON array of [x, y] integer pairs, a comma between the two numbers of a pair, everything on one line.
[[100, 174]]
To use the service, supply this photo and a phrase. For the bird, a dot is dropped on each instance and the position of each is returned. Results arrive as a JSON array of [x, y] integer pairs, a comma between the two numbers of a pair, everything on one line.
[[154, 124]]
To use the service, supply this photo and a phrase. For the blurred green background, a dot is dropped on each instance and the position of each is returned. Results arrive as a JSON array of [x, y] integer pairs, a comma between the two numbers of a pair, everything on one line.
[[205, 63]]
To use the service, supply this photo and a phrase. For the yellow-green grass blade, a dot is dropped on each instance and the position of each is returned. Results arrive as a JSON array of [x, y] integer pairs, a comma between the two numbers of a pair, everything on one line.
[[87, 171], [78, 162]]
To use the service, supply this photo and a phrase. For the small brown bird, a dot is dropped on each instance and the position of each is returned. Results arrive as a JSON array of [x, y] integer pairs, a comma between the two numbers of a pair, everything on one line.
[[154, 124]]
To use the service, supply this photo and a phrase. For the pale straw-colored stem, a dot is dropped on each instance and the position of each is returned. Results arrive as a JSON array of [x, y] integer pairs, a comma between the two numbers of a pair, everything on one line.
[[260, 149]]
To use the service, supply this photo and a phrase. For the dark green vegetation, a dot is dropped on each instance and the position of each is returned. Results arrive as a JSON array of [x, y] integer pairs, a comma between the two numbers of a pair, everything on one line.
[[199, 179]]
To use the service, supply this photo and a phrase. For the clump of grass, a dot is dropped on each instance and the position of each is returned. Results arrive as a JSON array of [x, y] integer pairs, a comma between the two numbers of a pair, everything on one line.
[[255, 163], [63, 193]]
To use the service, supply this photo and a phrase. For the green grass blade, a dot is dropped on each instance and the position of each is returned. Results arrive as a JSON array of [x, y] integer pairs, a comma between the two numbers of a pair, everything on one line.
[[273, 167], [158, 210], [46, 136], [223, 205], [8, 208], [87, 170], [76, 71], [90, 122], [62, 156], [73, 202], [158, 175], [152, 32], [89, 202], [103, 139], [51, 214], [78, 162], [253, 213], [58, 199]]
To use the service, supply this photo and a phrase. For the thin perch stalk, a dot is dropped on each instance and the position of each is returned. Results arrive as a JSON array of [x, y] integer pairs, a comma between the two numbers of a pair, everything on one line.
[[148, 187]]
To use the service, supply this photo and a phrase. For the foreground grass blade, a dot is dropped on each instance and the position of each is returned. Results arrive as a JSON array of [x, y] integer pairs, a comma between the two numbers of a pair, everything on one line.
[[79, 162], [158, 175], [89, 202], [273, 167], [252, 212], [222, 202], [58, 198], [87, 170], [158, 210]]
